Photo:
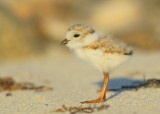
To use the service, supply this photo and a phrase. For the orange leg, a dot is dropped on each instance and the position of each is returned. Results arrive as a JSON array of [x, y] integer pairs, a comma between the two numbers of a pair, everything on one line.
[[100, 90], [103, 92]]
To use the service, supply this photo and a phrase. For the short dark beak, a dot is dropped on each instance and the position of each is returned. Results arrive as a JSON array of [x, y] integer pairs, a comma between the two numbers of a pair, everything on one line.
[[65, 41]]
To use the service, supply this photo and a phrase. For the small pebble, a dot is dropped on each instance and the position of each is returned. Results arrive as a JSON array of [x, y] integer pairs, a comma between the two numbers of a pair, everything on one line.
[[8, 94]]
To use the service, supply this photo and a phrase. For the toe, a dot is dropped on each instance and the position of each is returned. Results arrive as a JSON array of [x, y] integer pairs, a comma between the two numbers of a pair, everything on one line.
[[93, 101]]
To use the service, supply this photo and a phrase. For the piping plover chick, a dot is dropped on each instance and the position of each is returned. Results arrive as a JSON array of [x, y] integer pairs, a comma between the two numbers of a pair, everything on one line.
[[104, 52]]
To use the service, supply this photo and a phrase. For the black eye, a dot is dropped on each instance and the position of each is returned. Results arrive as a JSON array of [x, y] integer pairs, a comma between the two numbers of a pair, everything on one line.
[[76, 35]]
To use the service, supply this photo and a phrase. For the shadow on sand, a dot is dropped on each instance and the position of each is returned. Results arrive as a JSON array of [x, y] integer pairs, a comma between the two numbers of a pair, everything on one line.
[[116, 84]]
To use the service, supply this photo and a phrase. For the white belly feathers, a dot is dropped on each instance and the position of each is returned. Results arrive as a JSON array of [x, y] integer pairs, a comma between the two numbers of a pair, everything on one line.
[[105, 62]]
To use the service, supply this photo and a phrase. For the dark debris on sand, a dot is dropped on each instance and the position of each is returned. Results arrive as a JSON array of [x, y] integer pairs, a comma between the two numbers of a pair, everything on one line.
[[7, 83], [150, 83], [80, 109]]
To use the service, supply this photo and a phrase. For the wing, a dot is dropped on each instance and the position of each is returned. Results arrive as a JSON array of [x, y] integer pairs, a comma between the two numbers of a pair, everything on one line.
[[110, 45]]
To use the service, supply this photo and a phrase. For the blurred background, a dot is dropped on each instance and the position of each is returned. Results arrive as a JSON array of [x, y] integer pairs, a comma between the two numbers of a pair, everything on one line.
[[31, 28]]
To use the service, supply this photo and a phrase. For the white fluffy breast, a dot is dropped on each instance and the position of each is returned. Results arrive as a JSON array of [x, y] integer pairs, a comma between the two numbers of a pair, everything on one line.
[[105, 62]]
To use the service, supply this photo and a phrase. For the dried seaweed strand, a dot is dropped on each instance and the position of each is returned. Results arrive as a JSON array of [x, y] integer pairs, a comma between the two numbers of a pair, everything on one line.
[[8, 83], [151, 83], [80, 109]]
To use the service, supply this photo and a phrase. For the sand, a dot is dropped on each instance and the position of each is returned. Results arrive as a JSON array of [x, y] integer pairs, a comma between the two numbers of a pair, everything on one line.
[[74, 80]]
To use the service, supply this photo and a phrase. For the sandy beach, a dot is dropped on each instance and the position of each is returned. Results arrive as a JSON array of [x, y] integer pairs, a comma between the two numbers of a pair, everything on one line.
[[74, 80]]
